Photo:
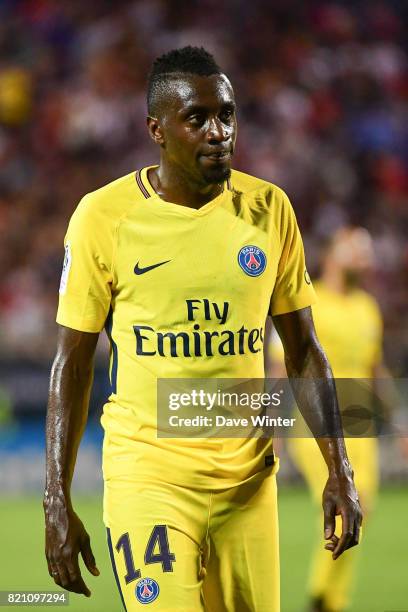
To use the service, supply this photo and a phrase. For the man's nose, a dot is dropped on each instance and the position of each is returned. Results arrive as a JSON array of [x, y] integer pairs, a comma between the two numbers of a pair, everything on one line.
[[216, 131]]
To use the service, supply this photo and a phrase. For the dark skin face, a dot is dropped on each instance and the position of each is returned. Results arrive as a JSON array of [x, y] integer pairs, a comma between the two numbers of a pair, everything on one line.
[[196, 130]]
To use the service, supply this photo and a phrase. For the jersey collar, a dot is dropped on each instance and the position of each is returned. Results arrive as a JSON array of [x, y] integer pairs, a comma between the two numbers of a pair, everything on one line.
[[145, 186]]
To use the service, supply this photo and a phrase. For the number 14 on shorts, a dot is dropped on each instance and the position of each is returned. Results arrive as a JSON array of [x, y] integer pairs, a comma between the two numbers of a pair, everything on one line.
[[157, 551]]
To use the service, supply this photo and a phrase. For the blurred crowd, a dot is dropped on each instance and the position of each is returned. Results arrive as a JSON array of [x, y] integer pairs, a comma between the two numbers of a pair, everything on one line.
[[322, 90]]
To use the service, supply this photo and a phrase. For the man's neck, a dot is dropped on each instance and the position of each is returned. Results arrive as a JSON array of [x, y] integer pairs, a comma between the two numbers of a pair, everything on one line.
[[173, 186], [333, 278]]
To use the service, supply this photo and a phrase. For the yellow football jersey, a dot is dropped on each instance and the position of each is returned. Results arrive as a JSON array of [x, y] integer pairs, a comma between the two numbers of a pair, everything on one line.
[[183, 293], [349, 327]]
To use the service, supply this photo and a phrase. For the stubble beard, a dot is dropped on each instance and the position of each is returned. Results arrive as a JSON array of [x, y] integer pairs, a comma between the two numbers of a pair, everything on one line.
[[216, 175]]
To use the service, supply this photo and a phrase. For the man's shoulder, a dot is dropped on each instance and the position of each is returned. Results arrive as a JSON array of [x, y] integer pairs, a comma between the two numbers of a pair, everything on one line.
[[360, 298], [114, 198], [367, 301], [247, 183], [99, 212]]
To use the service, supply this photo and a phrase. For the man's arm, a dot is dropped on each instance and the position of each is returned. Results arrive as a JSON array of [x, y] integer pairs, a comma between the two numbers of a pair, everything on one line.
[[317, 401], [70, 387]]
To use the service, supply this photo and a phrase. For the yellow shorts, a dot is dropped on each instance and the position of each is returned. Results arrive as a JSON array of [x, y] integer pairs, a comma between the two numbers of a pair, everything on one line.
[[176, 549]]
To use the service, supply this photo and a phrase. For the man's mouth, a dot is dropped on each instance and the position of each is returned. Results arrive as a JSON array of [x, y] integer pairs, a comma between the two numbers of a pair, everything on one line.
[[219, 156]]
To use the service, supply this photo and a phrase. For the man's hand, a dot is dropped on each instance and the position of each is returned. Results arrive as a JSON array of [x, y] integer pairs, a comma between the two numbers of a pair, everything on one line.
[[65, 538], [340, 498]]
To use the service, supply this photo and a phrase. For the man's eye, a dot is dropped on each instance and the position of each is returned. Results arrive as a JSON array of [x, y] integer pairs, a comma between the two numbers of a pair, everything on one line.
[[227, 115], [196, 119]]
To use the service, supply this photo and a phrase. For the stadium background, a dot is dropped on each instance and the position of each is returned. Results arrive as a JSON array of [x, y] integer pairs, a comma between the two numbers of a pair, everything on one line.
[[322, 91]]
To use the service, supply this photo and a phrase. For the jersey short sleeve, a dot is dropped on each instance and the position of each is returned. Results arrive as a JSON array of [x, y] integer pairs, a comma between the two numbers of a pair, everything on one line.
[[86, 280], [293, 289]]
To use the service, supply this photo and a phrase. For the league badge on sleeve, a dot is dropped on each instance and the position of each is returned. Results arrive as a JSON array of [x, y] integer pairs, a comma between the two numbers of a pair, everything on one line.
[[252, 260], [146, 590], [65, 269]]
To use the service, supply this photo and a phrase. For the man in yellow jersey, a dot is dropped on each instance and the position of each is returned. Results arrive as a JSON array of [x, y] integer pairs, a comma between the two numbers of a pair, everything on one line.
[[343, 311], [182, 263]]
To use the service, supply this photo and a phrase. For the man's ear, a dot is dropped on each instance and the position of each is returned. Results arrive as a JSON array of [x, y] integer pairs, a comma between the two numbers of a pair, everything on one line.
[[155, 130]]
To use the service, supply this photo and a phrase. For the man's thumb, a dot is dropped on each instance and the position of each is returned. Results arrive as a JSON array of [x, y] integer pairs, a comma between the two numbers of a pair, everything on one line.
[[88, 557], [329, 521]]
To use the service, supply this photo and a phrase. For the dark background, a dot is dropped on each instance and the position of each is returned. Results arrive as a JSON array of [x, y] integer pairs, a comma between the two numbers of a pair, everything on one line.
[[322, 91]]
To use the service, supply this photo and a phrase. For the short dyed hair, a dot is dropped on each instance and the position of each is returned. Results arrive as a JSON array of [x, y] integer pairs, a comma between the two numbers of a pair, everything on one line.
[[175, 63]]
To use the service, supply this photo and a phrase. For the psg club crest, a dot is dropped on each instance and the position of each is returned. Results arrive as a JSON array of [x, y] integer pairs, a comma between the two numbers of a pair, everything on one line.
[[252, 260], [146, 590]]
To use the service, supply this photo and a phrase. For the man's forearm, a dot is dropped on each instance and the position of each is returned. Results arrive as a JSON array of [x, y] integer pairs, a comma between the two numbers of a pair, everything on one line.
[[314, 387], [70, 387]]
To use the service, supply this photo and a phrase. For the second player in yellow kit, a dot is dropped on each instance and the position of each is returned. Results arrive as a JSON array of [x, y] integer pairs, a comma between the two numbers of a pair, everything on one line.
[[349, 324]]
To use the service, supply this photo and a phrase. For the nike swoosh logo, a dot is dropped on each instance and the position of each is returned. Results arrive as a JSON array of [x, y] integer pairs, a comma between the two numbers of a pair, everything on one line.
[[148, 268]]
